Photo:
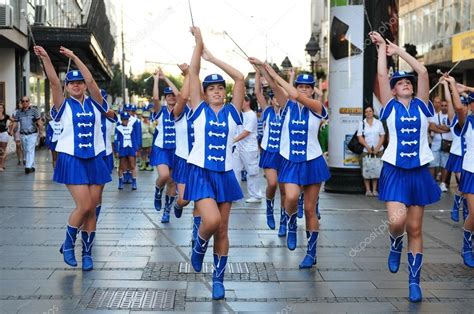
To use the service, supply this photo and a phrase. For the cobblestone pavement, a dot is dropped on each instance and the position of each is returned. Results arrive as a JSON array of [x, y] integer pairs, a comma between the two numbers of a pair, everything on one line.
[[143, 265]]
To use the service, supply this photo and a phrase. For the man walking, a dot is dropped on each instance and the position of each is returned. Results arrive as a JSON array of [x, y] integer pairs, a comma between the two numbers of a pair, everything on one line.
[[30, 123]]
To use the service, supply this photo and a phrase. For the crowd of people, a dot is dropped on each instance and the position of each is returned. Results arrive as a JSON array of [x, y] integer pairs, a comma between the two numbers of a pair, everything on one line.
[[200, 141]]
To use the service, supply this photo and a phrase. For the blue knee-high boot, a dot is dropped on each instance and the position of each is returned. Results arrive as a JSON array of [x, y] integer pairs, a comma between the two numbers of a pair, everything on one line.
[[199, 250], [67, 249], [396, 246], [97, 211], [158, 196], [310, 258], [283, 223], [218, 290], [178, 211], [169, 200], [456, 206], [196, 224], [87, 241], [120, 183], [301, 205], [465, 208], [134, 184], [414, 270], [466, 252], [292, 228], [270, 218]]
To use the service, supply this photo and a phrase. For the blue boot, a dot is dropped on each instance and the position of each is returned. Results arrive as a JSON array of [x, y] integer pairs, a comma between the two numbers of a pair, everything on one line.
[[218, 290], [169, 200], [283, 222], [301, 205], [199, 250], [178, 211], [87, 241], [127, 177], [456, 207], [465, 208], [270, 218], [317, 210], [396, 246], [158, 196], [134, 184], [196, 224], [414, 270], [466, 251], [97, 211], [292, 228], [67, 249], [120, 185], [310, 258]]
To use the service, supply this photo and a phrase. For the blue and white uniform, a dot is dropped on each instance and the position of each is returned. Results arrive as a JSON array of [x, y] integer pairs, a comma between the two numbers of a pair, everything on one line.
[[164, 139], [53, 130], [137, 130], [466, 185], [108, 128], [272, 126], [81, 143], [302, 162], [184, 144], [126, 141], [210, 161], [454, 163], [405, 177]]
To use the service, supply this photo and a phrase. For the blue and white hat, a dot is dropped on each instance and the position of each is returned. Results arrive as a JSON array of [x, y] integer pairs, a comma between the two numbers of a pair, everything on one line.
[[73, 75], [465, 100], [471, 97], [270, 94], [168, 91], [306, 79], [124, 115], [127, 107], [213, 79], [133, 108], [400, 75]]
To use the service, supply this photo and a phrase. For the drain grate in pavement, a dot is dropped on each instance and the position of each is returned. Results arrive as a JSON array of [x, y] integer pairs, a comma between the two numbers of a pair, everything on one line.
[[134, 299], [446, 272], [183, 271]]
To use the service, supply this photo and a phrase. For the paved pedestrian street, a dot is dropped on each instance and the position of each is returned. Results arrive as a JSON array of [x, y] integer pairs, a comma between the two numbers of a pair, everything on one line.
[[143, 265]]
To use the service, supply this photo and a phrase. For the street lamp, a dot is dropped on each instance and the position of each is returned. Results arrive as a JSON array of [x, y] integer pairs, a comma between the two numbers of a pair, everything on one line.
[[286, 64], [312, 48]]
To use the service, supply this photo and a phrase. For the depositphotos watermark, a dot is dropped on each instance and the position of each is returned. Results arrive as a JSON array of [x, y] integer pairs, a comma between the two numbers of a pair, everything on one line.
[[377, 231]]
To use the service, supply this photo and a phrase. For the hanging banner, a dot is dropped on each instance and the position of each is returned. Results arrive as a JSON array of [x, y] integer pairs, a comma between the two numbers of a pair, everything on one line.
[[346, 71]]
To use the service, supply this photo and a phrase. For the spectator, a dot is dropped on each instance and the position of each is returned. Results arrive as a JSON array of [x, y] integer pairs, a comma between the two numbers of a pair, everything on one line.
[[30, 124], [371, 134], [441, 141], [15, 132], [4, 136]]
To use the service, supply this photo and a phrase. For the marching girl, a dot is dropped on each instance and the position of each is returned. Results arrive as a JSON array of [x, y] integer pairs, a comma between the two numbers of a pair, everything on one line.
[[108, 123], [211, 181], [465, 128], [164, 144], [148, 129], [80, 164], [303, 163], [270, 158], [53, 130], [454, 162], [405, 182], [126, 147]]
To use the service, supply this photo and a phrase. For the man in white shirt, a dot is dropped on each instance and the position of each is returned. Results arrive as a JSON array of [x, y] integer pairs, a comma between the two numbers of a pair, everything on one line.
[[440, 132], [246, 153]]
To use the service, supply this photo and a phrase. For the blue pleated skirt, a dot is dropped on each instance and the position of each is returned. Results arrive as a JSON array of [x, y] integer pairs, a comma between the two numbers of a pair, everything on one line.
[[161, 156], [127, 152], [270, 160], [466, 185], [109, 162], [180, 170], [309, 172], [408, 186], [204, 183], [454, 163], [73, 170]]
